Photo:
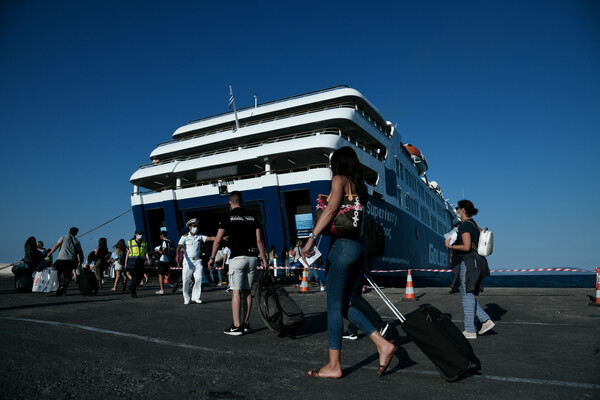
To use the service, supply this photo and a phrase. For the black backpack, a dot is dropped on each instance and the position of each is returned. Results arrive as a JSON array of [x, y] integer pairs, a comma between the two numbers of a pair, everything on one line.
[[277, 309], [374, 237], [171, 252]]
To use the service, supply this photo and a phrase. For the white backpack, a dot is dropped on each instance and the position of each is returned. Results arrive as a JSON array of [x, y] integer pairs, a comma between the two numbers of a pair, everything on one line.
[[486, 241]]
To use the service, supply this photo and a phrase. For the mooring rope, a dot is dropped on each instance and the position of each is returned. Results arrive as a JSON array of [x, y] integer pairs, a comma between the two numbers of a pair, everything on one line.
[[99, 226]]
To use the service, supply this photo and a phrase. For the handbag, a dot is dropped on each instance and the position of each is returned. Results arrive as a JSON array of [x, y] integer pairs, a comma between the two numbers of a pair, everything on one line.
[[347, 223]]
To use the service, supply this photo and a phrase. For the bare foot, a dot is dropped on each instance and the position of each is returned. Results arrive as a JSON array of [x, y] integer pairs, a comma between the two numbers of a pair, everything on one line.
[[325, 372], [385, 357]]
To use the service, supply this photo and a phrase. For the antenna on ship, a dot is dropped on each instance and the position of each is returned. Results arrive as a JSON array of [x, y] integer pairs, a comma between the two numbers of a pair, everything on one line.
[[255, 100], [232, 102]]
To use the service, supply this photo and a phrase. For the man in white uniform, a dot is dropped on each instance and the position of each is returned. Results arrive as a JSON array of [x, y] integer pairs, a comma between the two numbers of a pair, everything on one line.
[[192, 264]]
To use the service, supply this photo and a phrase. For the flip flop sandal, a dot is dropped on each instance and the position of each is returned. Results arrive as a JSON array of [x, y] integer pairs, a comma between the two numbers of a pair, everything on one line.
[[382, 368]]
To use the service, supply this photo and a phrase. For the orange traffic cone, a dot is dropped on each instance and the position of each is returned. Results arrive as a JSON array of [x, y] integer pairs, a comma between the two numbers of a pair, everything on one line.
[[596, 303], [410, 290], [304, 285]]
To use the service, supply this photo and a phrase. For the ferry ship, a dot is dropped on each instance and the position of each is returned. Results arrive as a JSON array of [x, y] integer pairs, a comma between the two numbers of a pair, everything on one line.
[[277, 154]]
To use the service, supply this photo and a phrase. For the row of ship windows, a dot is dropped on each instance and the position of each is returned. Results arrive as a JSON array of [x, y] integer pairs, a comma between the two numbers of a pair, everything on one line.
[[422, 212], [404, 174]]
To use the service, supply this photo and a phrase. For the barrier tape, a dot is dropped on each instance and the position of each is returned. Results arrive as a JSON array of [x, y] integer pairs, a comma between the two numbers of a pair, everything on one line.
[[387, 271]]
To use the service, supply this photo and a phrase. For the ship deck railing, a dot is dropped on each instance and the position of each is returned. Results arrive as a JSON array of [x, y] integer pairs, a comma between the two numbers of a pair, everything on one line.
[[221, 180], [292, 136], [298, 96], [366, 115]]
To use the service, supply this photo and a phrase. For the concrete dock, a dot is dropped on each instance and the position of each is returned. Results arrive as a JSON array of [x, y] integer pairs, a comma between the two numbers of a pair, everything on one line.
[[546, 345]]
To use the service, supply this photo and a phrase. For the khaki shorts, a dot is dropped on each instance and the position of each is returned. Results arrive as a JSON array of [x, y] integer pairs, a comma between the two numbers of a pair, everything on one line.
[[242, 272]]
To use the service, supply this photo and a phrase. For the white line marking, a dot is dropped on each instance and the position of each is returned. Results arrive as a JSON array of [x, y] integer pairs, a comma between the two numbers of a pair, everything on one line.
[[200, 348], [123, 334]]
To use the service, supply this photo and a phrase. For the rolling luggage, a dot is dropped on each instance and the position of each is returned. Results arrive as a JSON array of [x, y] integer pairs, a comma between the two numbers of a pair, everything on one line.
[[277, 309], [437, 336], [88, 284]]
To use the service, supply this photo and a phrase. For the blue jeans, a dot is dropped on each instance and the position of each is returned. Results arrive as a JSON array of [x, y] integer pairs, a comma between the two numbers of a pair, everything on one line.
[[220, 273], [344, 262], [471, 306], [313, 273]]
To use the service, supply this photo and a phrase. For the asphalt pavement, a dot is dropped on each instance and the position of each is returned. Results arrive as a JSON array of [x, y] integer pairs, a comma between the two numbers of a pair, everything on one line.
[[545, 345]]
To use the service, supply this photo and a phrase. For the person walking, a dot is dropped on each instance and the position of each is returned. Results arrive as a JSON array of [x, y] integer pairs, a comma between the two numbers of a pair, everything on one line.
[[102, 257], [166, 260], [244, 236], [470, 268], [135, 258], [345, 259], [70, 257], [192, 264], [120, 250]]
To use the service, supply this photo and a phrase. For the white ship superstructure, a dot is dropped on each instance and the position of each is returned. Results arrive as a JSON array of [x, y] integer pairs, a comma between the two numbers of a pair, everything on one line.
[[279, 159]]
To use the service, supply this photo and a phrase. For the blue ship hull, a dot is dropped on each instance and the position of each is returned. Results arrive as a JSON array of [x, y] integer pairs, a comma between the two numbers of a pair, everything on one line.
[[410, 244]]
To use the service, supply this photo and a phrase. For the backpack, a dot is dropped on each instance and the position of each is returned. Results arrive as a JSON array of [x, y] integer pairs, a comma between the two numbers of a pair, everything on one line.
[[277, 309], [374, 237], [486, 241], [171, 252]]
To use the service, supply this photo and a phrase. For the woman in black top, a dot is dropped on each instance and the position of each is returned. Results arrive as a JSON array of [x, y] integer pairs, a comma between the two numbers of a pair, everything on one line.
[[102, 257], [345, 260], [470, 268], [32, 255]]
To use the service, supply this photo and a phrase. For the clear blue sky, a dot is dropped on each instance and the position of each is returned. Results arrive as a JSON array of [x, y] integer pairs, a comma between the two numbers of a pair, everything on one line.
[[502, 97]]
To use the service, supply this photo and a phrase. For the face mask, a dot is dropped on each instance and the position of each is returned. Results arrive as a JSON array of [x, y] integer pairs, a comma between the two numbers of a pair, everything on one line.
[[138, 237], [194, 230]]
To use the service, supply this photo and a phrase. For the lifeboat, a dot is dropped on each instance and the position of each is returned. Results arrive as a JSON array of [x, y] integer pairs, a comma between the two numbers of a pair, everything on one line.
[[417, 158]]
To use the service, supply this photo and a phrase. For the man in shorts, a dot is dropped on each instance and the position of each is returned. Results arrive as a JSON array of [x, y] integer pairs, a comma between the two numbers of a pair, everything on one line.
[[243, 230], [69, 258], [166, 260]]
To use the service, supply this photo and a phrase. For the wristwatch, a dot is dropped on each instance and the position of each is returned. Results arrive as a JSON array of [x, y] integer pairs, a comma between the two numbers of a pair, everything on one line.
[[311, 235], [212, 258]]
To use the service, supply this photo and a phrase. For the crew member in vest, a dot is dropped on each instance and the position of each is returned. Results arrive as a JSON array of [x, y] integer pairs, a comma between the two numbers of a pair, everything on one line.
[[135, 258], [192, 264], [69, 258], [244, 236]]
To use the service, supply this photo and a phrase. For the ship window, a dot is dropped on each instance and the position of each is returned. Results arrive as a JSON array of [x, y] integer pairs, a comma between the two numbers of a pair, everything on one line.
[[425, 216], [399, 196], [411, 205]]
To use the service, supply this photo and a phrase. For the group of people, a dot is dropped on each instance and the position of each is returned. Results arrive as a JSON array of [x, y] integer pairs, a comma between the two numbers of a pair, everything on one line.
[[345, 264]]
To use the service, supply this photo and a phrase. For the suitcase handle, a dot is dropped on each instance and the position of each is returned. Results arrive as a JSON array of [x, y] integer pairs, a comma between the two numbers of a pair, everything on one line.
[[385, 299]]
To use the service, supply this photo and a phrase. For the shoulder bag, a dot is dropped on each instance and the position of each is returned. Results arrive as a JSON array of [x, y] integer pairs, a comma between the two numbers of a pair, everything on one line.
[[347, 222]]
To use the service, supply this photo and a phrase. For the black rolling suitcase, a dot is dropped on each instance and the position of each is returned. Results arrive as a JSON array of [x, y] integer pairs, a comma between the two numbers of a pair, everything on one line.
[[277, 309], [437, 336], [88, 283]]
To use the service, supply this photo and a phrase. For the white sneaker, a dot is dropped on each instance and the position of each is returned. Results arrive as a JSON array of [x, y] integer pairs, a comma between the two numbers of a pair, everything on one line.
[[186, 302], [160, 292], [197, 301], [487, 325], [322, 288], [470, 335]]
